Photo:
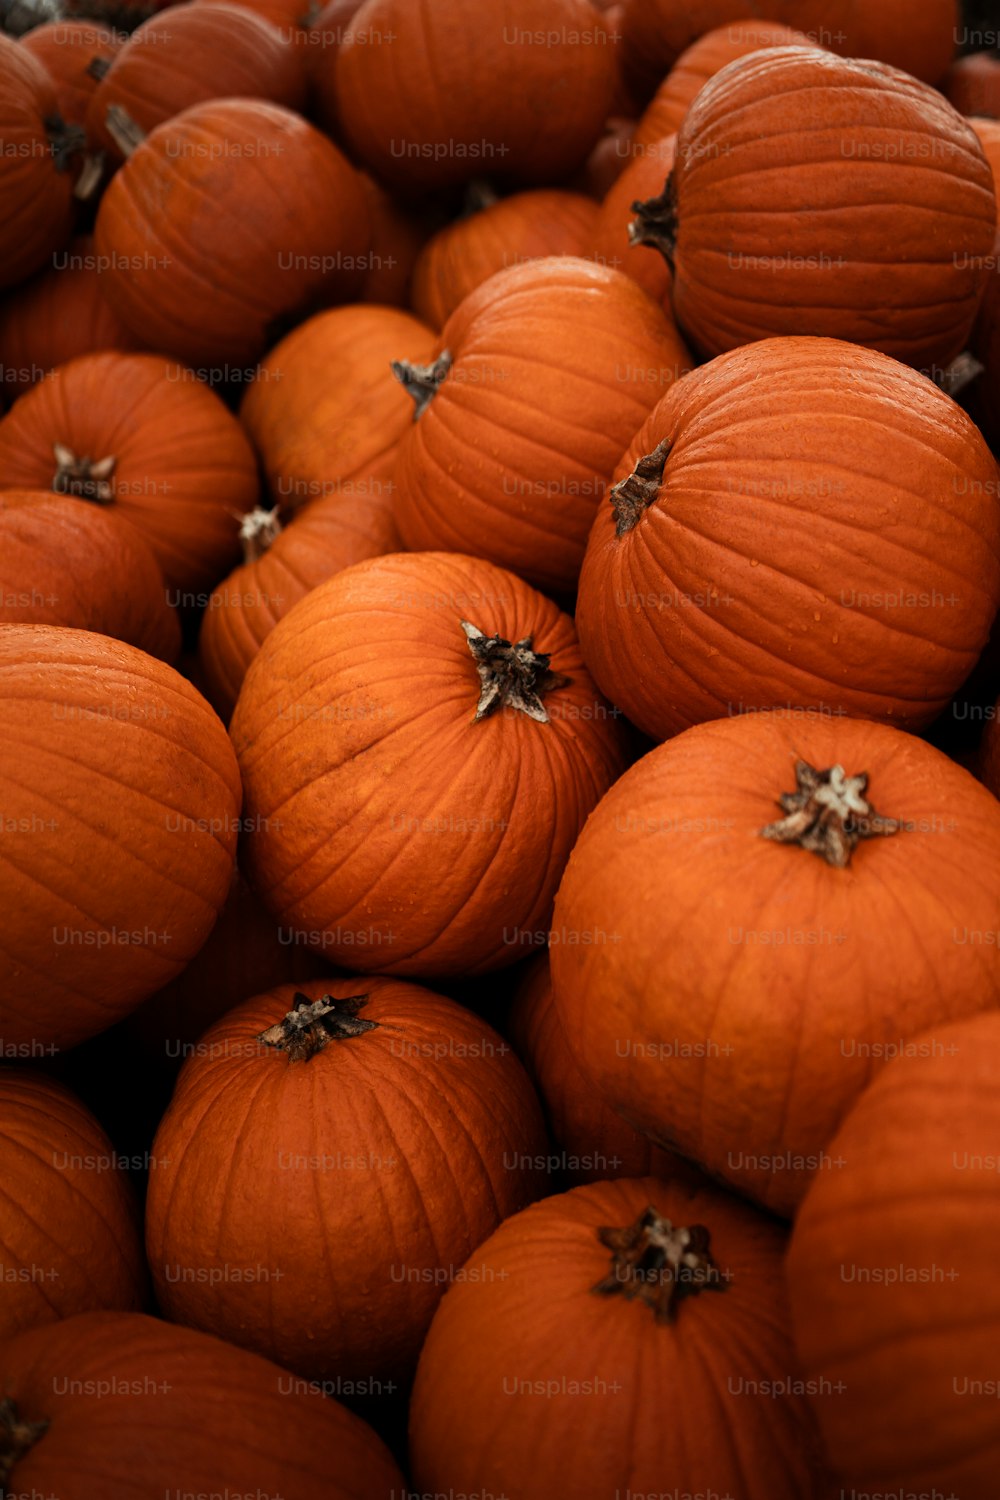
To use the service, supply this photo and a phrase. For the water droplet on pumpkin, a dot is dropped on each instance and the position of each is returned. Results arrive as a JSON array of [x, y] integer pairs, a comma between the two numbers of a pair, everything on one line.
[[753, 562], [815, 614]]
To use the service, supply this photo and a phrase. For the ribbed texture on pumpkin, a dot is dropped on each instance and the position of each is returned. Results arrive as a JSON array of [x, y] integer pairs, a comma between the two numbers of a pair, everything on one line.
[[37, 195], [644, 177], [776, 971], [66, 49]]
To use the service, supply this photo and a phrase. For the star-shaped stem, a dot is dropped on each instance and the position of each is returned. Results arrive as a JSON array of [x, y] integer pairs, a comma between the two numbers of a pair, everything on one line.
[[86, 478], [421, 381], [258, 529], [511, 675], [660, 1264], [634, 495], [655, 222], [17, 1437], [313, 1024], [828, 814]]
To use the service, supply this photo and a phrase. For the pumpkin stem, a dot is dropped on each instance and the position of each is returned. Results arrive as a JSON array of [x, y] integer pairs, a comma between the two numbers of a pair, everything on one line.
[[123, 130], [962, 371], [258, 529], [86, 478], [421, 381], [65, 141], [90, 176], [511, 675], [828, 814], [312, 1024], [98, 68], [17, 1437], [635, 494], [479, 194], [659, 1264], [655, 222]]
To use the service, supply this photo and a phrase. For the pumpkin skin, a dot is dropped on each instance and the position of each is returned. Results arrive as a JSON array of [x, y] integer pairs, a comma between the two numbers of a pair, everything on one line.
[[397, 240], [643, 178], [66, 49], [287, 227], [972, 84], [193, 54], [56, 316], [63, 562], [116, 898], [891, 1278], [513, 230], [450, 865], [735, 1025], [529, 1326], [415, 109], [184, 470], [874, 248], [36, 180], [554, 365], [685, 620], [290, 16], [424, 1131], [220, 1418]]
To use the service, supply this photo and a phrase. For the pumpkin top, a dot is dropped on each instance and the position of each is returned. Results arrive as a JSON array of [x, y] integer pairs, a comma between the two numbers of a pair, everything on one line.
[[658, 1263], [828, 814], [311, 1024]]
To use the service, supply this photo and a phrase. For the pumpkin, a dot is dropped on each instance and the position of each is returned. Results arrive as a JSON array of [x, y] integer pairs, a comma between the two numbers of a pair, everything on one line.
[[108, 1402], [70, 1238], [56, 316], [891, 1273], [972, 84], [397, 239], [769, 544], [430, 734], [328, 27], [594, 1142], [66, 563], [191, 54], [324, 411], [37, 165], [806, 883], [608, 159], [288, 227], [292, 17], [145, 436], [983, 396], [506, 232], [538, 381], [279, 567], [643, 178], [75, 54], [357, 1139], [625, 1338], [429, 97], [121, 835]]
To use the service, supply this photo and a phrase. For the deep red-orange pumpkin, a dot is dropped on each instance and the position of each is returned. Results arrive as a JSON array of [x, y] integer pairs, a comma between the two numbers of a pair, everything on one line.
[[644, 177], [124, 830], [103, 1402], [148, 438], [425, 733], [292, 17], [74, 53], [360, 1150], [63, 562], [288, 230], [767, 544], [70, 1238], [749, 981], [538, 381], [37, 167], [817, 195], [891, 1273], [397, 240], [663, 1381], [973, 84], [608, 160], [507, 232], [984, 396]]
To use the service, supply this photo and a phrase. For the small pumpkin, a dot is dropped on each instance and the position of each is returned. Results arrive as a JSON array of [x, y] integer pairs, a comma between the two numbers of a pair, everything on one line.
[[70, 1239], [66, 563], [423, 729], [108, 1401], [808, 886], [75, 54], [397, 240], [537, 382], [767, 544], [627, 1337], [609, 158], [891, 1271], [643, 178], [506, 232], [289, 229], [37, 167], [147, 438], [122, 836], [359, 1139], [972, 83]]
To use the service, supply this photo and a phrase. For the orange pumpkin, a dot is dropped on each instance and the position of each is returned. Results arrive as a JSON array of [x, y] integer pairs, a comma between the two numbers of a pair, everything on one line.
[[767, 544], [644, 177], [538, 381], [75, 54], [608, 160], [972, 84], [37, 165], [811, 888], [329, 26], [66, 563], [359, 1139], [145, 436], [122, 834], [292, 17], [397, 240], [984, 396]]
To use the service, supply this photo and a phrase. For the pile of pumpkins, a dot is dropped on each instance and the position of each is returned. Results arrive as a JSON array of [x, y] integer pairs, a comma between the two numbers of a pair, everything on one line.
[[499, 528]]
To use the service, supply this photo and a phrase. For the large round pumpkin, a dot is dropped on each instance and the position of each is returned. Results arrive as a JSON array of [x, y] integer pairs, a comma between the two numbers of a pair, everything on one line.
[[817, 195], [626, 1338], [891, 1271], [771, 929], [107, 1404], [799, 522], [121, 809], [66, 563], [226, 220], [972, 84], [420, 745], [337, 1152], [146, 437], [537, 383], [429, 96], [37, 165], [643, 178], [75, 54]]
